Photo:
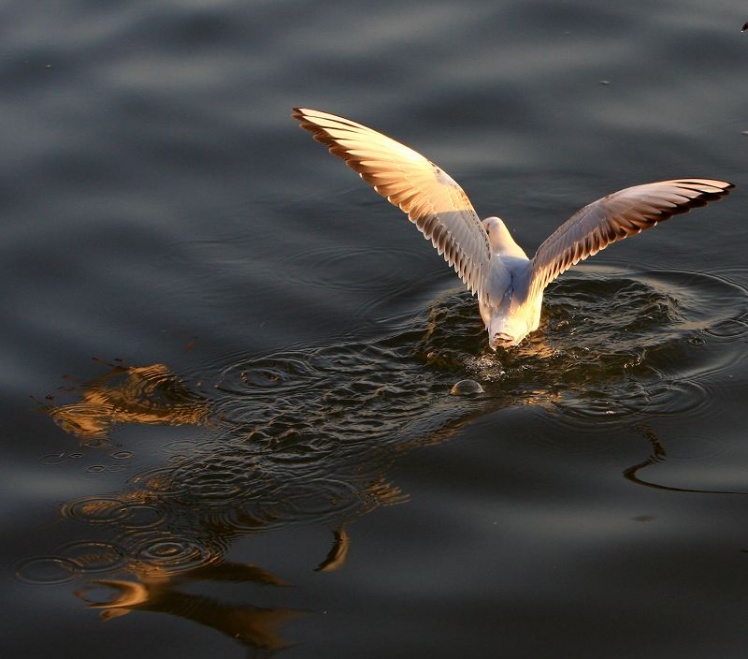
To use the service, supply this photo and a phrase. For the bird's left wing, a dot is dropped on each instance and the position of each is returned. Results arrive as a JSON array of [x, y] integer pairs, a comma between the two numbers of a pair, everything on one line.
[[615, 217]]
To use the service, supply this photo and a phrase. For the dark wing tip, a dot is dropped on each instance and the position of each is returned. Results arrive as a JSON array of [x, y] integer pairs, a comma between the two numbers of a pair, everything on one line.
[[320, 133], [708, 190]]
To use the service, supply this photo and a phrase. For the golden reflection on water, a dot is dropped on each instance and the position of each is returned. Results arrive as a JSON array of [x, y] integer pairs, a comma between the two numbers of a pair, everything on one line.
[[128, 394]]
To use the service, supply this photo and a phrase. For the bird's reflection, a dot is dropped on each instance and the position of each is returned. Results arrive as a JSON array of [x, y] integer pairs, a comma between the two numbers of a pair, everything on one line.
[[310, 436], [253, 626]]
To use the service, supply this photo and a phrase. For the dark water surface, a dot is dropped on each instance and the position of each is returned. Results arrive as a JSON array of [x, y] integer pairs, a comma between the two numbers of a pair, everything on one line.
[[227, 364]]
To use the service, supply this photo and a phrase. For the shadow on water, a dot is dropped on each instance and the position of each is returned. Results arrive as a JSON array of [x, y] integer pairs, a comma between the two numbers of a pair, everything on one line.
[[310, 435]]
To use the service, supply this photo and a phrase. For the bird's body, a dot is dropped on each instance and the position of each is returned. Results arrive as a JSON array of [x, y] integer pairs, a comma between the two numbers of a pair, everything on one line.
[[492, 265], [509, 309]]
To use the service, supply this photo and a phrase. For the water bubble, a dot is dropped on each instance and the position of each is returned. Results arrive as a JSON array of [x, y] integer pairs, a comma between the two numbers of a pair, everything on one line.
[[122, 455], [466, 388]]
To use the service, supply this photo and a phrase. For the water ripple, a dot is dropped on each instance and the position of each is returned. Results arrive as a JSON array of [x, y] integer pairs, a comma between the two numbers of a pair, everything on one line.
[[96, 510], [309, 434], [94, 556], [48, 570], [382, 270], [167, 553]]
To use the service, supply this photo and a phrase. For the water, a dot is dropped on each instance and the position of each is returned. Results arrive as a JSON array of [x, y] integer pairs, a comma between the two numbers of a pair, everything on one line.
[[227, 363]]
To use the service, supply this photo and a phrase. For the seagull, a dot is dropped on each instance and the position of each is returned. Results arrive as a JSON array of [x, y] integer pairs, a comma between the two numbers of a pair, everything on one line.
[[508, 284]]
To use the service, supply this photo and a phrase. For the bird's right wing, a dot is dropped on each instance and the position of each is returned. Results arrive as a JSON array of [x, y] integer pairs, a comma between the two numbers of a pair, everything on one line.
[[615, 217], [433, 201]]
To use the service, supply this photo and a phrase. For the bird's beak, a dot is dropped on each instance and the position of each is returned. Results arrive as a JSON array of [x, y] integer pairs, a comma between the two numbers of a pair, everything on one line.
[[501, 340]]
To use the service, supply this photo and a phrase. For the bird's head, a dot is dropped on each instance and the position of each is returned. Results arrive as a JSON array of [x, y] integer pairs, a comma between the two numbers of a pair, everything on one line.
[[500, 239]]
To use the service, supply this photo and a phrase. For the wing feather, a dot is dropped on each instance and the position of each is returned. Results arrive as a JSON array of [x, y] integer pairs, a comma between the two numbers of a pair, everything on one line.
[[617, 216], [433, 201]]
